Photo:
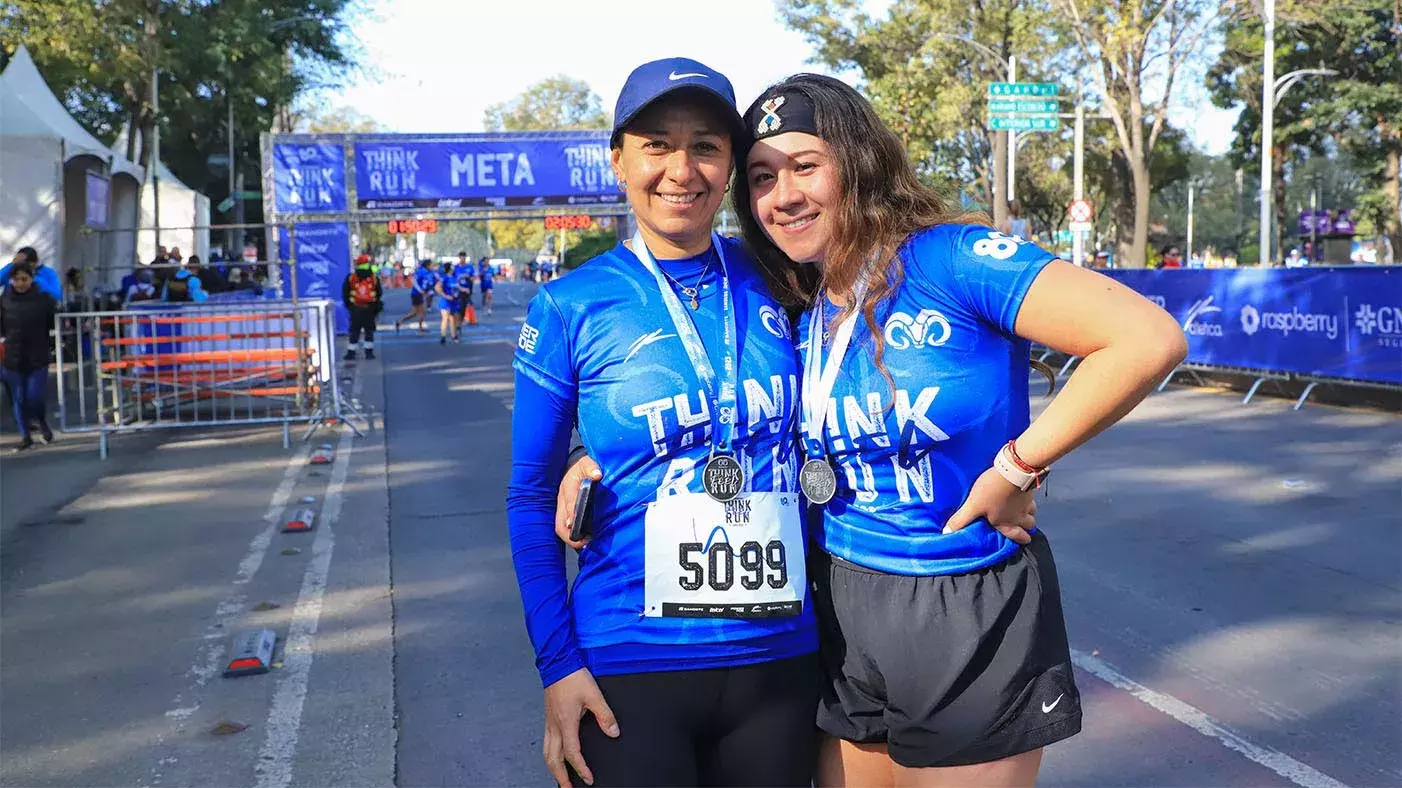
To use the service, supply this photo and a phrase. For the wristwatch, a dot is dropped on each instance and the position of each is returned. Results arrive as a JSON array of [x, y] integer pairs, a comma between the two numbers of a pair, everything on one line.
[[1018, 473]]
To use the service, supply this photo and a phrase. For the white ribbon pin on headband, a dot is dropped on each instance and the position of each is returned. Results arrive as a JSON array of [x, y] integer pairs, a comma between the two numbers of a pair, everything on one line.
[[771, 120]]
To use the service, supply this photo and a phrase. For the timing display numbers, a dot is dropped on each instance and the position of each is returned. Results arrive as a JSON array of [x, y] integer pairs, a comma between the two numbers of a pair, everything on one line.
[[580, 222], [411, 226]]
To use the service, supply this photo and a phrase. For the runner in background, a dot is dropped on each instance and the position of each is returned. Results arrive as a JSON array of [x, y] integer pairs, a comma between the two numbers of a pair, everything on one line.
[[484, 272], [466, 275], [448, 309], [364, 297], [420, 294]]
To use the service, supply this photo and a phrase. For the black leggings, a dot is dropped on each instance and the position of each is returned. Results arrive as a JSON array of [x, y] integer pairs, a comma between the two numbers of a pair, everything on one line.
[[362, 318], [751, 725]]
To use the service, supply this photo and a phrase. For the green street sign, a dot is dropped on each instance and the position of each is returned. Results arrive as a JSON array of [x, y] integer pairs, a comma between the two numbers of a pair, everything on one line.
[[1030, 123], [1025, 106], [224, 206], [1022, 89], [248, 195]]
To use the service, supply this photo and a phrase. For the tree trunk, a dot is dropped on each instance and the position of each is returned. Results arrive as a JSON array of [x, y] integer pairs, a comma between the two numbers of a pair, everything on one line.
[[1138, 252], [1124, 209], [1000, 180], [1392, 187]]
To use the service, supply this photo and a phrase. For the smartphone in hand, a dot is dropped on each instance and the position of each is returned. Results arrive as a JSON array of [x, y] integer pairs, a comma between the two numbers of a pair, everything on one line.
[[583, 511]]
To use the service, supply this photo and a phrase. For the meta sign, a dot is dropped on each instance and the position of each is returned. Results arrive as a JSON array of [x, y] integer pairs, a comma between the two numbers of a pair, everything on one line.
[[484, 170]]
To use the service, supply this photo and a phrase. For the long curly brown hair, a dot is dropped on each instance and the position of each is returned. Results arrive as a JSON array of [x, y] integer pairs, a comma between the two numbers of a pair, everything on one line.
[[881, 204]]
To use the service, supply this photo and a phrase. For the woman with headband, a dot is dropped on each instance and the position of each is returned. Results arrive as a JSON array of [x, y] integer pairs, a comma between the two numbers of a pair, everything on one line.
[[685, 653], [942, 635]]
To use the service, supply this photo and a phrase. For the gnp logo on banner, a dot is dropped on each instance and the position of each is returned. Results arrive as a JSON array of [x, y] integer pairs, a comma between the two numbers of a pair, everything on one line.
[[1383, 323]]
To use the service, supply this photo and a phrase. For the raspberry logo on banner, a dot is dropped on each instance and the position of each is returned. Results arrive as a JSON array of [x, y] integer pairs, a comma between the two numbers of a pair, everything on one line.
[[1250, 319]]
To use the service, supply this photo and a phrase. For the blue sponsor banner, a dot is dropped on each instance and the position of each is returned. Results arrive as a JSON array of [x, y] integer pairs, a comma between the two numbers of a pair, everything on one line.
[[309, 178], [500, 170], [323, 263], [1341, 322]]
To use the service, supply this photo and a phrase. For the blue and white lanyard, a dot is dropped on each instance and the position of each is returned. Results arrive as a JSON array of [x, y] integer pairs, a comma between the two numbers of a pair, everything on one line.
[[819, 376], [722, 393]]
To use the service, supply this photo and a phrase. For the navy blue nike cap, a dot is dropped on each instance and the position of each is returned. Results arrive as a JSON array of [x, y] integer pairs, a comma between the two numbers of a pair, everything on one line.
[[652, 81]]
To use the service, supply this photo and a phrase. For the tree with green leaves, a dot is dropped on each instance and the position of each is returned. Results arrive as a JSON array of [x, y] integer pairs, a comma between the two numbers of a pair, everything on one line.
[[1135, 51], [255, 56], [925, 67], [1356, 112]]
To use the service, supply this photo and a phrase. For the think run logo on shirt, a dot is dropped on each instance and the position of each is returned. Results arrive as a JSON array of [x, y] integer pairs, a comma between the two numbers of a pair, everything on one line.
[[907, 457], [604, 336]]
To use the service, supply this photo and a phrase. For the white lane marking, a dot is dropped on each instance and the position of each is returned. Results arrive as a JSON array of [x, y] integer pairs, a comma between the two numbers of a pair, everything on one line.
[[279, 751], [216, 635], [1278, 762]]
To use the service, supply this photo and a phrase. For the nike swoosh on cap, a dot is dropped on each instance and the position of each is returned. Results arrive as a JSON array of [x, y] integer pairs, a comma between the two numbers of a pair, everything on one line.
[[674, 76]]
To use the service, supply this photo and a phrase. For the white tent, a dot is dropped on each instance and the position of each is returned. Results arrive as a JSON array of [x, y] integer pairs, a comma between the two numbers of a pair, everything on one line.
[[182, 208], [31, 180], [82, 163], [130, 202]]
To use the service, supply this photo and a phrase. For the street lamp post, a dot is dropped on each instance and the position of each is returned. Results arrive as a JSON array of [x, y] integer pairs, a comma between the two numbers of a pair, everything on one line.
[[1272, 90], [1267, 127]]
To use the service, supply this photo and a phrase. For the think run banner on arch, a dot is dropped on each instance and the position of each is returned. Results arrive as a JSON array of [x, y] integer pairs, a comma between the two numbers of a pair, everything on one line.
[[418, 172], [1340, 322]]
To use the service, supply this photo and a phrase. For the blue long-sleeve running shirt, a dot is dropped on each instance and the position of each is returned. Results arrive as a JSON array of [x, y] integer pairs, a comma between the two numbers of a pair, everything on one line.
[[671, 580]]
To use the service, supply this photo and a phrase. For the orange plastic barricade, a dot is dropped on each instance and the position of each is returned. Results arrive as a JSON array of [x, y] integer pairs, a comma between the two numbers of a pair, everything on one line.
[[161, 365]]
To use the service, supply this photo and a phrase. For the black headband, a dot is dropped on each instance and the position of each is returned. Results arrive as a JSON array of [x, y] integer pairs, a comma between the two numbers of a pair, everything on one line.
[[781, 113]]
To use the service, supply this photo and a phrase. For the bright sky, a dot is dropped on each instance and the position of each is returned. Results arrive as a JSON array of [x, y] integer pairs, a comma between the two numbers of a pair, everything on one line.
[[440, 63]]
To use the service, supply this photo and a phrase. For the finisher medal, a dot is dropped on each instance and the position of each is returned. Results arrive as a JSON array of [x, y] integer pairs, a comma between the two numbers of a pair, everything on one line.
[[723, 478], [818, 481]]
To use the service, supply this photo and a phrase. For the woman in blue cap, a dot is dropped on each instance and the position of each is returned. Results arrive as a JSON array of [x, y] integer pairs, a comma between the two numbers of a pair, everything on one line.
[[684, 654]]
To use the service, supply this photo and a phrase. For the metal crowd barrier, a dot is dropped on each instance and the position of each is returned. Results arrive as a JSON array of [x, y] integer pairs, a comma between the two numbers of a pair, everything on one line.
[[159, 365]]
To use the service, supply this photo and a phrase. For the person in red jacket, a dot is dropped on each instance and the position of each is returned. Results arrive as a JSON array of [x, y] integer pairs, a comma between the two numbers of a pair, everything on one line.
[[364, 298]]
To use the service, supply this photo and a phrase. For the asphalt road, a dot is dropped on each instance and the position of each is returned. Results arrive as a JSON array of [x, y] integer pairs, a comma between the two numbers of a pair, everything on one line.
[[1231, 577]]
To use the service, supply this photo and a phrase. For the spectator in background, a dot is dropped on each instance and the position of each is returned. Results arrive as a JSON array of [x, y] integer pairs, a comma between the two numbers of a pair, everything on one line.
[[1172, 258], [45, 277], [1196, 261], [175, 256], [26, 315], [1296, 260], [183, 287], [138, 285], [162, 256], [211, 281]]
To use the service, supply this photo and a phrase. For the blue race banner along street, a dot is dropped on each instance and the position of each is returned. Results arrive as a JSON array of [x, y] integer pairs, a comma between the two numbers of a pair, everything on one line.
[[1343, 322], [309, 178], [500, 170], [323, 263]]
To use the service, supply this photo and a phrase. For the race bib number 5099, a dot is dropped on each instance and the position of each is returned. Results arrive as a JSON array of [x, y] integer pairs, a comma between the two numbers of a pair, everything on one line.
[[738, 559]]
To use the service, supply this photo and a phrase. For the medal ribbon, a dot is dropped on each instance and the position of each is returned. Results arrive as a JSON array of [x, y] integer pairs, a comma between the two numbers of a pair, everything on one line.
[[820, 376], [722, 392]]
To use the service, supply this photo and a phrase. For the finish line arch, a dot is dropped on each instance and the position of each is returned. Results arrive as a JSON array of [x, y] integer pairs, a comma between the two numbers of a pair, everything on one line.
[[322, 184]]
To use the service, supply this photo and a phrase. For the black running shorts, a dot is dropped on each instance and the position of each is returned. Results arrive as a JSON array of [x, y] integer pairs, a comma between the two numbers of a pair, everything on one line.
[[416, 298], [946, 670], [749, 725]]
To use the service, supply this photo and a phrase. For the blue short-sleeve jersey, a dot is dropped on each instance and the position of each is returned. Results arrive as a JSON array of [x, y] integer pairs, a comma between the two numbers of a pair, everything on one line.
[[424, 280], [907, 458], [485, 272], [603, 336]]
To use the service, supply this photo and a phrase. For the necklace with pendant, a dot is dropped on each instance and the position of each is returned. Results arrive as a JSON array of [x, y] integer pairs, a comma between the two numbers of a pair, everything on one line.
[[692, 292]]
